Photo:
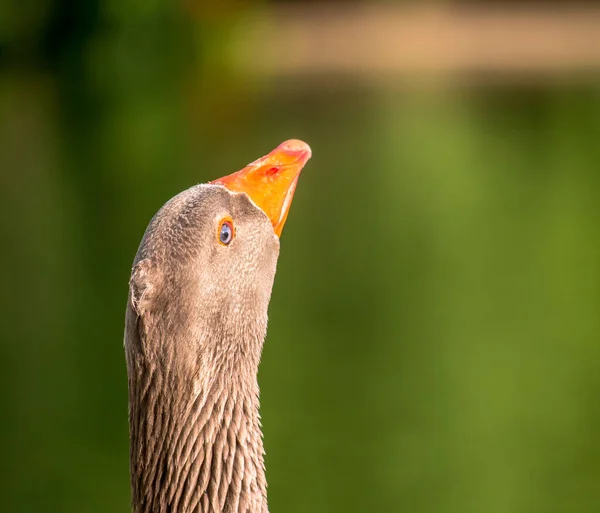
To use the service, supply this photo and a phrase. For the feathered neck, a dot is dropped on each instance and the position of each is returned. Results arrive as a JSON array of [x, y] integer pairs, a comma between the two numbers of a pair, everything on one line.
[[195, 434], [196, 445]]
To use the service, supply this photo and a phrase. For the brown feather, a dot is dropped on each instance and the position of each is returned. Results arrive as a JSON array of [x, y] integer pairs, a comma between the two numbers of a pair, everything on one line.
[[195, 324]]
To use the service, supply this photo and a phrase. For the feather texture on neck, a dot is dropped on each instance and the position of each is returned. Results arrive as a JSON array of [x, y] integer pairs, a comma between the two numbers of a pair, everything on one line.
[[196, 440]]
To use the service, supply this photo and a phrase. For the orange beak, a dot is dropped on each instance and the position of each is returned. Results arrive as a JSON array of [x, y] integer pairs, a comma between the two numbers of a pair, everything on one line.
[[271, 180]]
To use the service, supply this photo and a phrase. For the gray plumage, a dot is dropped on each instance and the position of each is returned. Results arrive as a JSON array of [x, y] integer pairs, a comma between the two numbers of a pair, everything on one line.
[[195, 324]]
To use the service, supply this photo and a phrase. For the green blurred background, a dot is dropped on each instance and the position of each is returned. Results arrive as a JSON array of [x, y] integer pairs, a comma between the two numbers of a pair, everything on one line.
[[434, 338]]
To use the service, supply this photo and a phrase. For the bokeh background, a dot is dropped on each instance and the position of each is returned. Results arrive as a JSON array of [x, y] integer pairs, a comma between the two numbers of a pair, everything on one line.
[[434, 339]]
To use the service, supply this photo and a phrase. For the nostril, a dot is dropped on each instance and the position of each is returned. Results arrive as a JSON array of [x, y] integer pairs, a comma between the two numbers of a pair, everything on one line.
[[272, 171]]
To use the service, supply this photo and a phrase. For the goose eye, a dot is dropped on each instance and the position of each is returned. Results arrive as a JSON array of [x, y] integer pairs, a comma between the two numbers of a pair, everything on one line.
[[226, 231]]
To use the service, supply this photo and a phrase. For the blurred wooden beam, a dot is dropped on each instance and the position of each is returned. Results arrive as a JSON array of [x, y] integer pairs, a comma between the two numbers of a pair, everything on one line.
[[382, 40]]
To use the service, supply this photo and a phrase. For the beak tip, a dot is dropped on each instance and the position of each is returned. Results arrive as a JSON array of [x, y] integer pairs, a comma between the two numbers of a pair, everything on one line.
[[295, 146]]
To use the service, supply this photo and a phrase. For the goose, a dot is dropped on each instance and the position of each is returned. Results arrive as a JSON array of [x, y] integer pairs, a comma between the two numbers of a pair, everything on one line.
[[195, 324]]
